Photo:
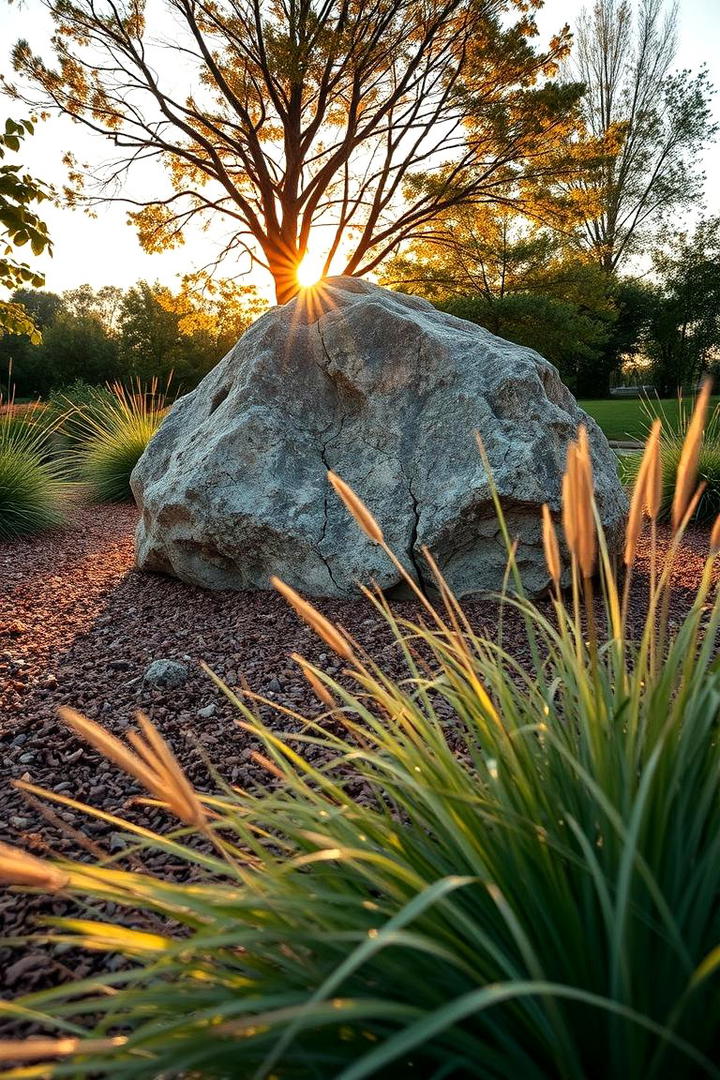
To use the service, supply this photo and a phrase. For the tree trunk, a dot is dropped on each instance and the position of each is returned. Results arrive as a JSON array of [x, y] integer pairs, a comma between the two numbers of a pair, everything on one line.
[[283, 267]]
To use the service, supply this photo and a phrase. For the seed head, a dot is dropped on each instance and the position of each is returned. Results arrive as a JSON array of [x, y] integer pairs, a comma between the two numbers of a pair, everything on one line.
[[550, 545], [19, 868], [319, 689], [687, 468], [647, 492], [153, 764], [27, 1050], [357, 508], [578, 516], [317, 622]]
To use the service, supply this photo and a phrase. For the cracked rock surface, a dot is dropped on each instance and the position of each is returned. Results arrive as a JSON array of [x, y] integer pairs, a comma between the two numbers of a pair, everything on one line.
[[388, 392]]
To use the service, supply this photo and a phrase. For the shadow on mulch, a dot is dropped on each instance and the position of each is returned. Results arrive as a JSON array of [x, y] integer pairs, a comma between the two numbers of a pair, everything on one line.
[[87, 625]]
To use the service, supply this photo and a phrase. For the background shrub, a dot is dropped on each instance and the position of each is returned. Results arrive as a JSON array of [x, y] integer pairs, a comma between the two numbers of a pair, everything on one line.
[[671, 444], [70, 408], [33, 480], [110, 430]]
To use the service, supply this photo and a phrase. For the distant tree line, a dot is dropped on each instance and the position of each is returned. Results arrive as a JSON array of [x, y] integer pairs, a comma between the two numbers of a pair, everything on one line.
[[523, 283], [105, 334], [555, 273], [541, 193]]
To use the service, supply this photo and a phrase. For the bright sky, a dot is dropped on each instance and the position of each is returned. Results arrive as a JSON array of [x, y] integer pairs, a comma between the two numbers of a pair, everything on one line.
[[105, 250]]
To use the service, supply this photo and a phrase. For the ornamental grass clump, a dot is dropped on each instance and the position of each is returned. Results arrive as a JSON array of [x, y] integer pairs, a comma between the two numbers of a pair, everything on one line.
[[110, 433], [33, 483], [673, 438], [480, 867]]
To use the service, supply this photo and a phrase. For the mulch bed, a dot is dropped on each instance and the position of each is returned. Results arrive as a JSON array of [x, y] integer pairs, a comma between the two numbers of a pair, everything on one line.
[[79, 626]]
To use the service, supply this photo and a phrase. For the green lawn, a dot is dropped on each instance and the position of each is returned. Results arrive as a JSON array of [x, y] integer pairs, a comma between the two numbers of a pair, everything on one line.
[[622, 418]]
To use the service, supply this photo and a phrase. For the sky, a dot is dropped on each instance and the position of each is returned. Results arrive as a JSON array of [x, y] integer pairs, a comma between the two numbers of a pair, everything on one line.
[[105, 250]]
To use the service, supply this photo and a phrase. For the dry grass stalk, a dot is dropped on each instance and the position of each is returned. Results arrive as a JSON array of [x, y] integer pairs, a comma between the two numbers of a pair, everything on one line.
[[319, 689], [357, 508], [687, 468], [550, 545], [317, 622], [715, 536], [154, 764], [647, 493], [654, 478], [26, 1050], [19, 868], [267, 764], [578, 517]]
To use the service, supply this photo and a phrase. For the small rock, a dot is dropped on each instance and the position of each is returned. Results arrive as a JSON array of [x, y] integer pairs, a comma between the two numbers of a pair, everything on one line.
[[207, 711], [25, 759], [167, 674], [18, 822]]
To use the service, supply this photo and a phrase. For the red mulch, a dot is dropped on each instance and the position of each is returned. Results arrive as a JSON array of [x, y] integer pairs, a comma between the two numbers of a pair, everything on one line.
[[79, 626]]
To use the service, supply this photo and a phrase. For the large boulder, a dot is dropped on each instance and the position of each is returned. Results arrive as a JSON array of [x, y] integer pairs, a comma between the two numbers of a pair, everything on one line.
[[388, 392]]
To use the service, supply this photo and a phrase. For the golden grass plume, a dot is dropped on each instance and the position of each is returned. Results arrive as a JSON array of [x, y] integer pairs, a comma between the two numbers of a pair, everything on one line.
[[19, 868], [357, 508], [317, 622], [153, 764]]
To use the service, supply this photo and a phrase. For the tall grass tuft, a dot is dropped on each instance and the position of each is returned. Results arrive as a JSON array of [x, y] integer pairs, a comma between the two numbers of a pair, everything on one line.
[[672, 440], [480, 867], [110, 432], [33, 482]]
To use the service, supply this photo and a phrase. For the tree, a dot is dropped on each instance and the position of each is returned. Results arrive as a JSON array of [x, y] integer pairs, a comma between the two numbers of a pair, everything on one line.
[[20, 357], [150, 336], [516, 278], [103, 303], [658, 120], [42, 306], [493, 251], [560, 330], [212, 311], [354, 122], [76, 348], [634, 302], [19, 225], [163, 334], [684, 331]]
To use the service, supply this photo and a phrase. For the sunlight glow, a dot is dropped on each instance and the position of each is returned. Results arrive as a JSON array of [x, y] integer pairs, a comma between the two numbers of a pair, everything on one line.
[[310, 270]]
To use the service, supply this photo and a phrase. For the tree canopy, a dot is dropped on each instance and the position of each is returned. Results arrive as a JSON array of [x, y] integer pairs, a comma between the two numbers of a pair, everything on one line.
[[343, 125], [19, 225], [657, 119], [149, 331], [684, 337]]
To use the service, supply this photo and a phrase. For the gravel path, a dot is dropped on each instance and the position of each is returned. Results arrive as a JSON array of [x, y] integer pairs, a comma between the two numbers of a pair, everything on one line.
[[79, 626]]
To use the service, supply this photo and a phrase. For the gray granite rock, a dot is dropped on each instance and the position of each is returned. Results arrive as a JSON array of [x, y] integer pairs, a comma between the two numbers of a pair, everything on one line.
[[388, 392], [166, 674]]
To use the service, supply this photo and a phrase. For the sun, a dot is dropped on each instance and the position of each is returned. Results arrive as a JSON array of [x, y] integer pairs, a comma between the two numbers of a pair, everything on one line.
[[310, 270]]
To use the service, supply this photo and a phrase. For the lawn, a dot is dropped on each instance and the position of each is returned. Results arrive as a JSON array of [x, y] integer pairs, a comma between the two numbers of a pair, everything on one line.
[[622, 418]]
